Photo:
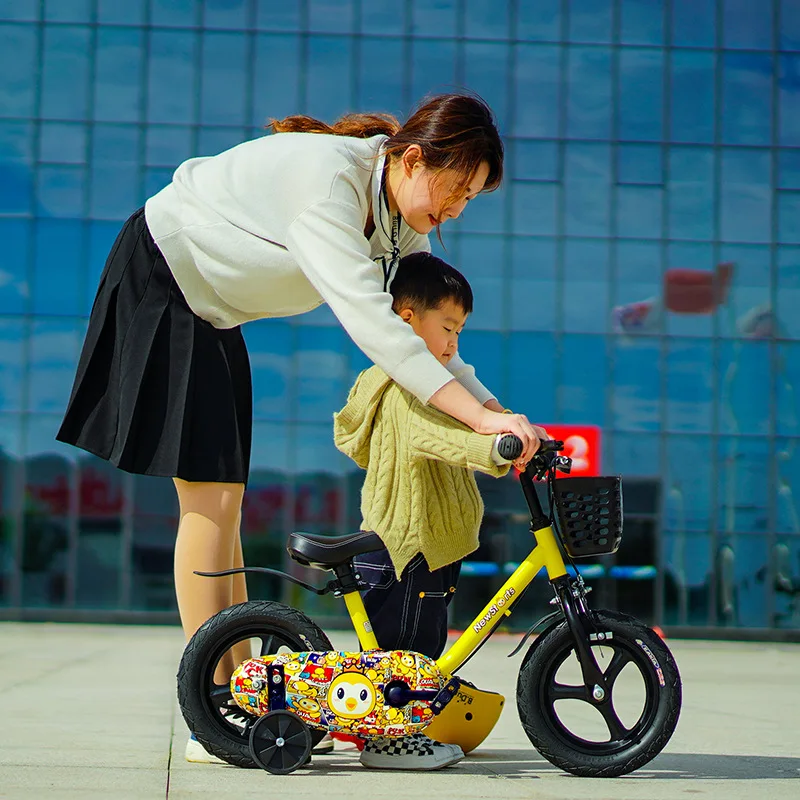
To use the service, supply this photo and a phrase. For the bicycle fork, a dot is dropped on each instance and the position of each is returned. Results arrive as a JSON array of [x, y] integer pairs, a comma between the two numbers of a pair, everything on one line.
[[572, 600]]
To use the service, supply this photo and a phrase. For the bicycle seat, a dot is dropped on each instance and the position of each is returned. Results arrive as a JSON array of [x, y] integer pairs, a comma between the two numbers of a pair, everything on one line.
[[327, 552]]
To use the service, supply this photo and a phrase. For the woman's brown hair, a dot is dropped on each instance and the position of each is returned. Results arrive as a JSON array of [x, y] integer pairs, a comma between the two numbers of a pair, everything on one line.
[[453, 131]]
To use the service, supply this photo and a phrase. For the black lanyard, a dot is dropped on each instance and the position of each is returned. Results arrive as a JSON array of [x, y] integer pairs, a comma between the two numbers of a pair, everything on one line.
[[390, 268]]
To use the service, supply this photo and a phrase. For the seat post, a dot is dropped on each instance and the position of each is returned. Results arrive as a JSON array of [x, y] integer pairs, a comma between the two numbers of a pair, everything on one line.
[[360, 620], [348, 581]]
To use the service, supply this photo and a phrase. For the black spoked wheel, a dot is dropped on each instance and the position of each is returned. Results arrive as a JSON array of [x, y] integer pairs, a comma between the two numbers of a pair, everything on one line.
[[207, 706], [588, 732], [280, 742]]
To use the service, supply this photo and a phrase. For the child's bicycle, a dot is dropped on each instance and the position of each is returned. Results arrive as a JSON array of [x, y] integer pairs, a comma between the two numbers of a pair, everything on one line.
[[295, 687]]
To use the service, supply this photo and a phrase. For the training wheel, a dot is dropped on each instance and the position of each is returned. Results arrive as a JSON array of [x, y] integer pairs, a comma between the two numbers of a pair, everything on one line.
[[280, 742]]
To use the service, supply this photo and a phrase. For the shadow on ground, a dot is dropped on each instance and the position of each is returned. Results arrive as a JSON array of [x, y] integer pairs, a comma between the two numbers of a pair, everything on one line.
[[523, 765], [671, 766]]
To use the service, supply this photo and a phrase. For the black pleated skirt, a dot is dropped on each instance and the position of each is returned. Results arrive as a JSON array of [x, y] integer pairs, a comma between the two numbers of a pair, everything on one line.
[[158, 390]]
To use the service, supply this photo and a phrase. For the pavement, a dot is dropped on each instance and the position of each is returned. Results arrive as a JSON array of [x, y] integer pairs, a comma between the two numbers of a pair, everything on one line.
[[89, 711]]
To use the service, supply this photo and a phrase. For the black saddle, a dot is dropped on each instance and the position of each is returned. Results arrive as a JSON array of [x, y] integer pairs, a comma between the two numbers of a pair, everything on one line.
[[328, 552]]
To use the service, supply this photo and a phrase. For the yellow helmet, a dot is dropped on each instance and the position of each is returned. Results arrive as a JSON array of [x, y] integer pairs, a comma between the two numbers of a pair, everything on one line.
[[468, 718]]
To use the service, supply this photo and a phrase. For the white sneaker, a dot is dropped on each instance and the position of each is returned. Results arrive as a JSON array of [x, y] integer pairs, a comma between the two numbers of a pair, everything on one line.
[[197, 754], [323, 746], [416, 752], [234, 714]]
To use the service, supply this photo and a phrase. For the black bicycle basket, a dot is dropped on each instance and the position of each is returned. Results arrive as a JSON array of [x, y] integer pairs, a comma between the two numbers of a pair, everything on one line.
[[589, 514]]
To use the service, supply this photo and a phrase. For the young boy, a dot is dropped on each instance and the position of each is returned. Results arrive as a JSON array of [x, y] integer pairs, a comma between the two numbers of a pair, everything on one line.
[[419, 493]]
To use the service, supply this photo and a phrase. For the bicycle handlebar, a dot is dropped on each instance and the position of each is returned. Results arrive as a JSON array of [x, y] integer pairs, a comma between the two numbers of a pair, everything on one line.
[[510, 446], [550, 446]]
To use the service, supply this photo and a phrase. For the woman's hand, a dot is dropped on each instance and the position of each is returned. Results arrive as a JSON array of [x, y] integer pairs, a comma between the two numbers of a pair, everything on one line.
[[492, 422]]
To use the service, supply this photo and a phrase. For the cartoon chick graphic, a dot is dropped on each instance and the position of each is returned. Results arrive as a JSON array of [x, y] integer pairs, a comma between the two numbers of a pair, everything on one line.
[[311, 707], [351, 695], [406, 665]]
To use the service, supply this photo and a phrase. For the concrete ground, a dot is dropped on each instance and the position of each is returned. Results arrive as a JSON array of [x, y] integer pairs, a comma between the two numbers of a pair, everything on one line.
[[90, 712]]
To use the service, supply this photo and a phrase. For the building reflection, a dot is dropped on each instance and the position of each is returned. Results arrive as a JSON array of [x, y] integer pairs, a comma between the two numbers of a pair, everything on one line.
[[88, 537]]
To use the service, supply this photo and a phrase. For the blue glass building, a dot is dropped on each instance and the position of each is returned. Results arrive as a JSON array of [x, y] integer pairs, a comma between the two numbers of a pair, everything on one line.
[[637, 271]]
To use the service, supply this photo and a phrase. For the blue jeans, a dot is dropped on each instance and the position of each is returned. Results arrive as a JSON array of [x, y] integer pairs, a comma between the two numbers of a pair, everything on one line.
[[407, 614]]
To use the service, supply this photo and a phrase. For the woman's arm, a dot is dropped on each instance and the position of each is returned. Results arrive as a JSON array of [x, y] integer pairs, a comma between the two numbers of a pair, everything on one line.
[[330, 249], [438, 437], [465, 374], [456, 401]]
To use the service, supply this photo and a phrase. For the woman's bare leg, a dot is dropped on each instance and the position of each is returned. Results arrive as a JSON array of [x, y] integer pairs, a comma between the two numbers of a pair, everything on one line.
[[208, 533], [239, 582], [240, 651]]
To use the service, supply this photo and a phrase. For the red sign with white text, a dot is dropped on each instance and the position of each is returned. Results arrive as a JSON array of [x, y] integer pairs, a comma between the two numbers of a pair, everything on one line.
[[581, 444]]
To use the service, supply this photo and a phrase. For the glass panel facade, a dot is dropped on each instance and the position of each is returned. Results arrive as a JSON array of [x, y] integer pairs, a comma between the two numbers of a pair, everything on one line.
[[638, 271]]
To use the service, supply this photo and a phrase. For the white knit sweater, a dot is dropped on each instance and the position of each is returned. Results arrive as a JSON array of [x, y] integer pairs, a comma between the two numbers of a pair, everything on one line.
[[275, 227]]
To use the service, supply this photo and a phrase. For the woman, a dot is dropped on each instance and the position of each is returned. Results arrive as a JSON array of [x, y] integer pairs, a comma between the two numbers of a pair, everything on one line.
[[270, 228]]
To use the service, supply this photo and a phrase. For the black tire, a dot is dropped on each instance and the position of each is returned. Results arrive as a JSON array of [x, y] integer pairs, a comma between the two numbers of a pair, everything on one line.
[[278, 627], [627, 746]]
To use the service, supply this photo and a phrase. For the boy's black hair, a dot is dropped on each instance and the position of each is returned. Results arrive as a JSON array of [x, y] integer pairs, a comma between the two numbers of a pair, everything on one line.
[[423, 282]]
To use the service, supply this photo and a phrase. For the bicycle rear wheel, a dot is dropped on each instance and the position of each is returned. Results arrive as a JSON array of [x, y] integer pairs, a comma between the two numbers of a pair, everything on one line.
[[613, 736], [208, 708]]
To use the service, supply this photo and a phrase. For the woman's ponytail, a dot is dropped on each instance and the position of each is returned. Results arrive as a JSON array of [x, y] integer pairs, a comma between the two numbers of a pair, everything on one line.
[[361, 126]]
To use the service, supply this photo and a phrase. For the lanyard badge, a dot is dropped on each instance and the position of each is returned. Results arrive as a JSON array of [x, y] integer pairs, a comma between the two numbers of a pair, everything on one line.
[[390, 267]]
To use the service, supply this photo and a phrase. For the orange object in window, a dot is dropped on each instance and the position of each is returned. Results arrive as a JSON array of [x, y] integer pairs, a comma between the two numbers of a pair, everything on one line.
[[696, 291]]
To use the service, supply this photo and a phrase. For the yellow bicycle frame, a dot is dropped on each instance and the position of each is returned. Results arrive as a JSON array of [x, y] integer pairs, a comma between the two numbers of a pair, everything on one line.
[[545, 553]]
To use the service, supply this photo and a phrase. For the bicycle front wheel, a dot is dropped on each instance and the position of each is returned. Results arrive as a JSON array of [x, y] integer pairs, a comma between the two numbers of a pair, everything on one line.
[[622, 731]]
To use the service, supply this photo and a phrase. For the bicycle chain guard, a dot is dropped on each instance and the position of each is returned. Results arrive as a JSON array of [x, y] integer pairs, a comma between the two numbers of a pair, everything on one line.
[[370, 693]]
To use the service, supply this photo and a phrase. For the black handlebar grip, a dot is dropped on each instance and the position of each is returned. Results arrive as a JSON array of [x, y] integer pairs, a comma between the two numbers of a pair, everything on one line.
[[510, 447]]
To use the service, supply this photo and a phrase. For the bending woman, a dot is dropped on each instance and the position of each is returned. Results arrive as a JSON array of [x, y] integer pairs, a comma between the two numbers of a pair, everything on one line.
[[270, 228]]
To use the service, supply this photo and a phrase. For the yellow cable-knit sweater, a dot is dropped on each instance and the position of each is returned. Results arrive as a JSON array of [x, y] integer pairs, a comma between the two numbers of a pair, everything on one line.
[[419, 493]]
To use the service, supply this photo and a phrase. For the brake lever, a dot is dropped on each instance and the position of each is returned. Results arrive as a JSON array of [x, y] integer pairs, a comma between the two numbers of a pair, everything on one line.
[[563, 464], [541, 463]]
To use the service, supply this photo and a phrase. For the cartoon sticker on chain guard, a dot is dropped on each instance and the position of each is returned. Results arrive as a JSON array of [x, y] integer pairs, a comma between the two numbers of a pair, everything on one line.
[[343, 692]]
